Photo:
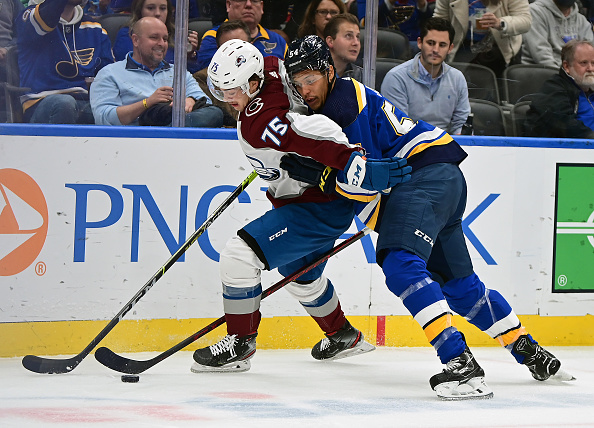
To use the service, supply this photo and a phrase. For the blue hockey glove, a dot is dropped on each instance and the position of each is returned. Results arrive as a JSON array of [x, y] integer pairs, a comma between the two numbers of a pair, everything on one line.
[[376, 174], [309, 171]]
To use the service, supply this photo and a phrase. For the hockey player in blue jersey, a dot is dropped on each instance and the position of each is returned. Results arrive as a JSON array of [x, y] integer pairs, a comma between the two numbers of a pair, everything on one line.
[[59, 48], [305, 222], [421, 246]]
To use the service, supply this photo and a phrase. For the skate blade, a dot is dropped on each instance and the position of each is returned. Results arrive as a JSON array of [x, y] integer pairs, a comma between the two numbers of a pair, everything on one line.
[[360, 348], [474, 389], [562, 375], [235, 367]]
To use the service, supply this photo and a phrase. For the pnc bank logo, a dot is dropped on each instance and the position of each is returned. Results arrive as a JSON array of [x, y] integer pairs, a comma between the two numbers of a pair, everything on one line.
[[23, 221]]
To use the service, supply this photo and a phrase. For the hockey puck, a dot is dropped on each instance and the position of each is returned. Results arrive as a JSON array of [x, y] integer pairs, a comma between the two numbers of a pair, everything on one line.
[[133, 378]]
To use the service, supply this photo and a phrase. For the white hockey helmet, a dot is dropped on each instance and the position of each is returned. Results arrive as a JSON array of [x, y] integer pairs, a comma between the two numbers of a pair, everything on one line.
[[232, 66]]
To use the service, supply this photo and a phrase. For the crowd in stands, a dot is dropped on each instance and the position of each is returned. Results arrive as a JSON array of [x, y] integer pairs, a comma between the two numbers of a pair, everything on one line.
[[72, 70]]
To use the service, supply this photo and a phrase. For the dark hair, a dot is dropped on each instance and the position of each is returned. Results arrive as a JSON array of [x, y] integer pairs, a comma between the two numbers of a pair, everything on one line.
[[229, 26], [136, 10], [308, 26], [334, 24], [438, 24], [568, 50]]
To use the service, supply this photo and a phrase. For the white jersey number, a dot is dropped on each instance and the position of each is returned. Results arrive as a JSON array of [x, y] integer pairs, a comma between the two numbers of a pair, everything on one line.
[[275, 127]]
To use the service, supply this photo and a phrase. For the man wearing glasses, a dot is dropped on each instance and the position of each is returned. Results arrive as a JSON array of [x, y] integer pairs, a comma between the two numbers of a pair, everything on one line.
[[249, 11]]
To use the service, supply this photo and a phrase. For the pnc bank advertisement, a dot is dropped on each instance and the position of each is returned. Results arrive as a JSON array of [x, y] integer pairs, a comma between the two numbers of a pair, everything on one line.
[[86, 221]]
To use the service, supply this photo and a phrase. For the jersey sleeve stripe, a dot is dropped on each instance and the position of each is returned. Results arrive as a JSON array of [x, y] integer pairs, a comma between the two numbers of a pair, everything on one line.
[[434, 137], [361, 97], [361, 197], [40, 26]]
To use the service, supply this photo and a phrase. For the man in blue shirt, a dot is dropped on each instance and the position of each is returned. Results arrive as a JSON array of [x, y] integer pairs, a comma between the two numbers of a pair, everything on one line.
[[249, 11], [142, 84], [426, 87]]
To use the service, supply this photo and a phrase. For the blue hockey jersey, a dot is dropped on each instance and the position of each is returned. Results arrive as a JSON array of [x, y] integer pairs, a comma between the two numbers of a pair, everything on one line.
[[55, 56]]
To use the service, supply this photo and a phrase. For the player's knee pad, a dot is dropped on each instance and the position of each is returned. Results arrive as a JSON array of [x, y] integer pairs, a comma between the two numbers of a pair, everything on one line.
[[239, 266], [403, 268], [307, 291]]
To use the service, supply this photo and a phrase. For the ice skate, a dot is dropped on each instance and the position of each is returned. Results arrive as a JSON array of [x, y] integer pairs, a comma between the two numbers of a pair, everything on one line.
[[541, 363], [462, 379], [346, 342], [230, 354]]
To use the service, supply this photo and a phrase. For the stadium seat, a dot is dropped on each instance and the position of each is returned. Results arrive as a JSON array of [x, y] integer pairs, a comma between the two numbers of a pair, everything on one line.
[[481, 80], [12, 89], [521, 80], [382, 66], [112, 23], [518, 116], [200, 25], [488, 118], [390, 44]]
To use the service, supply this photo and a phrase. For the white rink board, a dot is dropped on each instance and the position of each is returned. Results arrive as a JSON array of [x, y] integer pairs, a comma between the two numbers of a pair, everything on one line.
[[516, 229]]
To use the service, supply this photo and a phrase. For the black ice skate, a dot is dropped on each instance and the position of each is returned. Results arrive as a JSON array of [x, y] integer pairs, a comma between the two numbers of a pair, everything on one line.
[[346, 342], [462, 379], [230, 354], [541, 363]]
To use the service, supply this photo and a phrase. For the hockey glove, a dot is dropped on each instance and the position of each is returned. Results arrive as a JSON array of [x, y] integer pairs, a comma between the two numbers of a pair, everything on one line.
[[376, 174], [309, 171]]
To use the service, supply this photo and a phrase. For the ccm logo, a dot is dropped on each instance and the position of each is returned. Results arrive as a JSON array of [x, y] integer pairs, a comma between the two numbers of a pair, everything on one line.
[[277, 234], [424, 236]]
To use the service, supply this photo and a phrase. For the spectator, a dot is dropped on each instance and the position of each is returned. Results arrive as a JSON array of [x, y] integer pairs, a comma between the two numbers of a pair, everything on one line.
[[59, 49], [250, 12], [162, 10], [228, 30], [563, 107], [343, 37], [98, 7], [494, 38], [554, 23], [8, 12], [404, 15], [138, 90], [425, 87], [317, 15]]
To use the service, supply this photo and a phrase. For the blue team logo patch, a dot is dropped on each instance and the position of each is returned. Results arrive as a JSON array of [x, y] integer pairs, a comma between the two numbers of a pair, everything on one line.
[[214, 67], [239, 60], [268, 174], [268, 46]]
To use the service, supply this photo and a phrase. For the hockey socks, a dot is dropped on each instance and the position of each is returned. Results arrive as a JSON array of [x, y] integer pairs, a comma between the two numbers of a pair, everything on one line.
[[407, 277]]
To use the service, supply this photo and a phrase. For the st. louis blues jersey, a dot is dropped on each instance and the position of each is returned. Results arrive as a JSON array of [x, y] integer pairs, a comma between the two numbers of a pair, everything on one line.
[[56, 56], [366, 117], [273, 124]]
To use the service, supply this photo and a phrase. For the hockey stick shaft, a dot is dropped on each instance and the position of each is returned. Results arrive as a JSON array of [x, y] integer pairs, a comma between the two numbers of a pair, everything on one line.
[[125, 365], [53, 366]]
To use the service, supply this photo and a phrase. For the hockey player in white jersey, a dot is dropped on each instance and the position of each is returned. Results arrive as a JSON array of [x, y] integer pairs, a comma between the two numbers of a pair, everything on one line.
[[305, 222]]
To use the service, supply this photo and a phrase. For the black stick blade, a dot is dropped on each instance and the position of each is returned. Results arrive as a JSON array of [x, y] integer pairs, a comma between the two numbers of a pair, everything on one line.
[[50, 366], [118, 363]]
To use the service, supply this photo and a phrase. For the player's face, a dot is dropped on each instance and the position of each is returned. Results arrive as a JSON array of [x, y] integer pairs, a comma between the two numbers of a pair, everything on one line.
[[313, 87], [324, 12], [435, 47], [582, 66], [247, 11], [347, 43], [156, 9], [237, 98]]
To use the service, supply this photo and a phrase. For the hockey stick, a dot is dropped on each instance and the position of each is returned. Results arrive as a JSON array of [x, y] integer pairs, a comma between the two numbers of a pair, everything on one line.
[[125, 365], [52, 366]]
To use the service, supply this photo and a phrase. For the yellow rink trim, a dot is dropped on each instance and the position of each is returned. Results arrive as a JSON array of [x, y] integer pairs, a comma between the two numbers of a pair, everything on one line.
[[71, 337]]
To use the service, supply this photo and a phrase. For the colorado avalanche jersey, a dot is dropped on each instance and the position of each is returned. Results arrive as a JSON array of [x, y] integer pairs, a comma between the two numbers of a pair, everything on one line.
[[274, 123]]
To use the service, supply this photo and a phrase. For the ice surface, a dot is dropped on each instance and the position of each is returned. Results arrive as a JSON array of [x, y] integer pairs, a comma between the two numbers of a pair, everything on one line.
[[287, 388]]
